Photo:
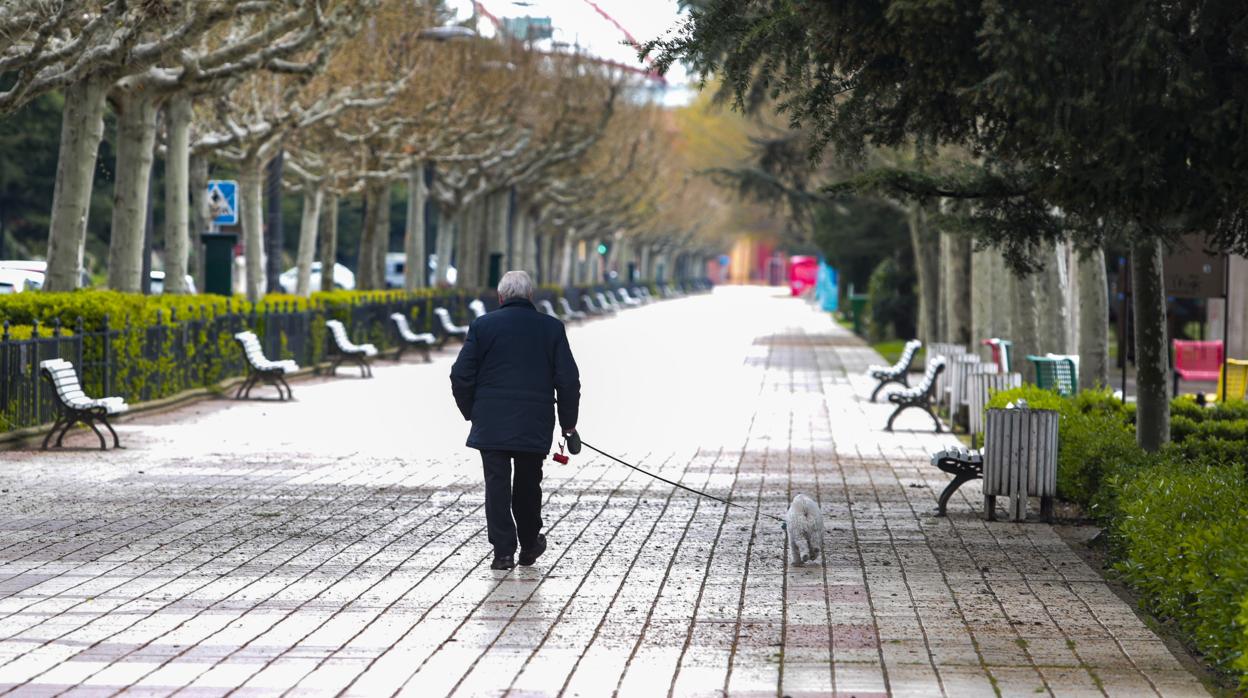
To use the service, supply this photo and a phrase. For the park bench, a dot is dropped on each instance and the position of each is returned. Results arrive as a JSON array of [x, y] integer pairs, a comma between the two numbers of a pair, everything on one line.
[[593, 308], [1057, 373], [343, 349], [919, 396], [1196, 361], [449, 329], [963, 464], [547, 308], [606, 302], [260, 368], [409, 339], [898, 372], [477, 306], [570, 313], [644, 294], [1002, 352], [627, 299], [75, 407]]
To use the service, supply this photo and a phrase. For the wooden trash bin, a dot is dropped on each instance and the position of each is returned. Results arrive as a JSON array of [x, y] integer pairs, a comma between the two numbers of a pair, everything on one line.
[[1020, 460], [980, 391]]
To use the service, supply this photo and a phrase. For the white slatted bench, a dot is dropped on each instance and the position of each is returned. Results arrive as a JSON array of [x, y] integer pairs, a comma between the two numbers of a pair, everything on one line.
[[919, 396], [477, 306], [409, 339], [963, 464], [546, 308], [74, 407], [570, 313], [260, 368], [627, 299], [591, 307], [449, 329], [607, 302], [898, 372], [343, 349]]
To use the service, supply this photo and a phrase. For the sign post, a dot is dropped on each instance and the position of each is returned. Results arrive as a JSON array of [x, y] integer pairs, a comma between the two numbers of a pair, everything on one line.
[[218, 246]]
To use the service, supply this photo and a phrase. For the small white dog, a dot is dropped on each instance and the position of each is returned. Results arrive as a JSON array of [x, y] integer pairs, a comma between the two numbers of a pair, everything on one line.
[[804, 523]]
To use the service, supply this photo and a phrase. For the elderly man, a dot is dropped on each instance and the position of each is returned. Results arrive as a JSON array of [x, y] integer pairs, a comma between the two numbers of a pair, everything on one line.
[[513, 364]]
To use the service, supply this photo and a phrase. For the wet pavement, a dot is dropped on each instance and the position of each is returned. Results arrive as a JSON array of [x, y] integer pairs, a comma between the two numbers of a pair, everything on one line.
[[336, 544]]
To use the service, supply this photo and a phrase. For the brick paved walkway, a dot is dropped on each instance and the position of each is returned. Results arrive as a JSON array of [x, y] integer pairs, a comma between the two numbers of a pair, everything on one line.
[[336, 544]]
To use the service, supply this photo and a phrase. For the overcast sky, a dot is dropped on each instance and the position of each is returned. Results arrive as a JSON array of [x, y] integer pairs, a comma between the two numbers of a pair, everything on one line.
[[577, 22]]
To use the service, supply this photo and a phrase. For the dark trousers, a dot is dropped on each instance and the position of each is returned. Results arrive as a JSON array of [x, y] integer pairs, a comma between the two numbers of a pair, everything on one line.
[[503, 500]]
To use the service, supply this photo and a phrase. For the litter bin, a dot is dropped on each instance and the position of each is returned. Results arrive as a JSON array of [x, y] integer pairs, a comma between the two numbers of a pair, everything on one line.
[[219, 262], [858, 311]]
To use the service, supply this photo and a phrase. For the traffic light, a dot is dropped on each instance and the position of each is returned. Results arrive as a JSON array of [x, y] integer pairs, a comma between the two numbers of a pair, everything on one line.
[[603, 248]]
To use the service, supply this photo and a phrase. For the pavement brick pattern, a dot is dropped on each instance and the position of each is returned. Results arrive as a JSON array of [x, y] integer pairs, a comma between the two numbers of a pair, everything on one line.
[[336, 544]]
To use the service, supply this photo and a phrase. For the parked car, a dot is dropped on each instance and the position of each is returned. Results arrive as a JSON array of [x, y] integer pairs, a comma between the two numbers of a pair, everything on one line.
[[18, 280], [34, 271], [344, 278], [158, 282]]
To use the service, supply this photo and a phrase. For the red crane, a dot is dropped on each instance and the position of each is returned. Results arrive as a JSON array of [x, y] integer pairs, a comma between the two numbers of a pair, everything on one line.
[[652, 74]]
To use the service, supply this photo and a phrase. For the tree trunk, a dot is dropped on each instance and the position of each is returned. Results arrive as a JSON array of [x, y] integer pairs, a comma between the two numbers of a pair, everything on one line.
[[251, 197], [1152, 352], [329, 240], [1053, 295], [468, 241], [82, 127], [983, 295], [136, 136], [275, 233], [445, 246], [313, 196], [1093, 319], [381, 239], [198, 218], [1024, 322], [957, 288], [368, 231], [177, 190], [926, 243], [565, 267], [414, 231]]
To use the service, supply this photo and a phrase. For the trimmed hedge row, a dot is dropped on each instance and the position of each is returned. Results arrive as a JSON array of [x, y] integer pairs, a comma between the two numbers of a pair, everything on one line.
[[1177, 519]]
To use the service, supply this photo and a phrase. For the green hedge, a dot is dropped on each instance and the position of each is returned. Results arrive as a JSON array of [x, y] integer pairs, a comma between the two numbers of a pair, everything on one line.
[[1177, 520]]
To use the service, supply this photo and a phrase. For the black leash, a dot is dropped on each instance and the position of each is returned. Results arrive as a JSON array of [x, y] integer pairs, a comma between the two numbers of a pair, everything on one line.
[[683, 487]]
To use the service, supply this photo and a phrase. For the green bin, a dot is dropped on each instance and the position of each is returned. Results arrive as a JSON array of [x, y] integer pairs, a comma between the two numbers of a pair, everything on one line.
[[858, 310], [219, 262]]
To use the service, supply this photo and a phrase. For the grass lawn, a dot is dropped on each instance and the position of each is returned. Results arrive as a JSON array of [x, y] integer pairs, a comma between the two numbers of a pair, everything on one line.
[[891, 351]]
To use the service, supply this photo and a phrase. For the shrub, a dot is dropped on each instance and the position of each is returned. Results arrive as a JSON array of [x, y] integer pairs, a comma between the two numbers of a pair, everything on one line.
[[1183, 535]]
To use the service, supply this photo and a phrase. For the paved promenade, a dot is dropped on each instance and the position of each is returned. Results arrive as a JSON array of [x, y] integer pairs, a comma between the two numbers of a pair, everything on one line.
[[336, 544]]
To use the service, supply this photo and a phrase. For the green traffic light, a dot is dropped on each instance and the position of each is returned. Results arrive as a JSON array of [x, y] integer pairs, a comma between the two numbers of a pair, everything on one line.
[[602, 248]]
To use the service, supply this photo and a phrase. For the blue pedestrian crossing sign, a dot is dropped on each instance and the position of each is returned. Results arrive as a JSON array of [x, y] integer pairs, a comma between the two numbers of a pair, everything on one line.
[[223, 201]]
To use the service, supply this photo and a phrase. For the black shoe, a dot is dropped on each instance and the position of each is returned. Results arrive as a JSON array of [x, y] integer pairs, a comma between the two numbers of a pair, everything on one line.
[[528, 557], [503, 562]]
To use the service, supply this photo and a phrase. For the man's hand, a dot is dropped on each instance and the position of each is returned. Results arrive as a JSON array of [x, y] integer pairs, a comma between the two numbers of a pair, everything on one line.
[[574, 441]]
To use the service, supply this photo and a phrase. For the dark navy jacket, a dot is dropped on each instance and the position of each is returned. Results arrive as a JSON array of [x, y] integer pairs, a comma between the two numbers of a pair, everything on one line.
[[514, 362]]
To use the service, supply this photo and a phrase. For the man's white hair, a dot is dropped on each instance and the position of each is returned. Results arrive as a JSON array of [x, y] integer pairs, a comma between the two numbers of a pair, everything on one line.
[[515, 284]]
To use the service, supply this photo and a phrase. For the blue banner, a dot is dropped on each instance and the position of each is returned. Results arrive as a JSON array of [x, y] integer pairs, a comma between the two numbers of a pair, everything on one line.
[[825, 287]]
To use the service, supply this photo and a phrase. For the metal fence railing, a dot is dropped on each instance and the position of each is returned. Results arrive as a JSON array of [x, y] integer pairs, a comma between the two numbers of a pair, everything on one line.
[[195, 348]]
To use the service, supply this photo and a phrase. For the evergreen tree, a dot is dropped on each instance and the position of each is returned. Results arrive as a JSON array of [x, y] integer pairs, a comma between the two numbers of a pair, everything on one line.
[[1126, 115]]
